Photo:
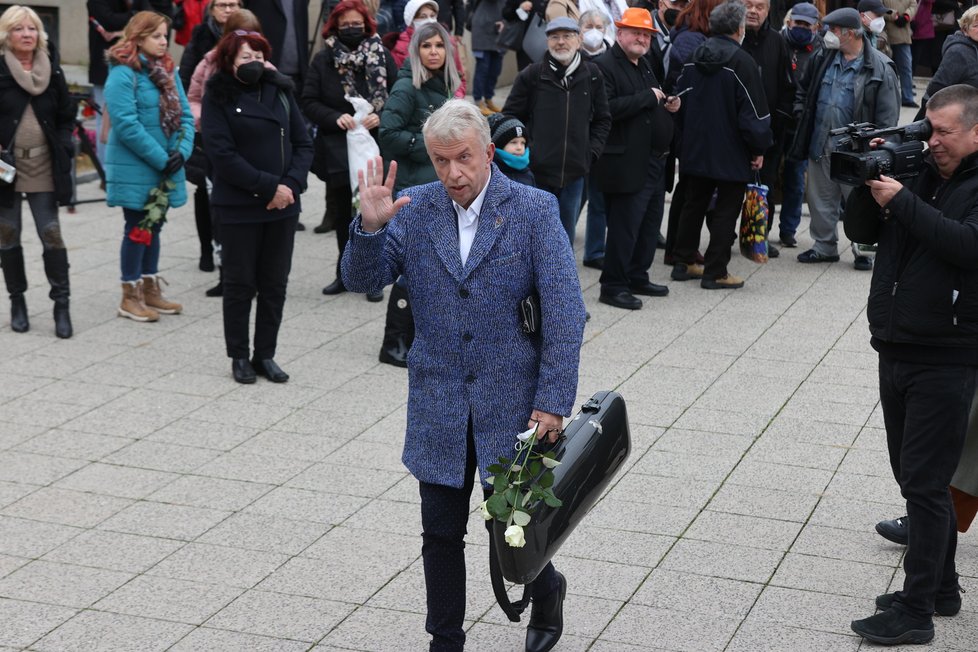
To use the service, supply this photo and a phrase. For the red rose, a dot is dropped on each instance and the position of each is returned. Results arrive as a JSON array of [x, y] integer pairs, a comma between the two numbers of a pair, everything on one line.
[[141, 236]]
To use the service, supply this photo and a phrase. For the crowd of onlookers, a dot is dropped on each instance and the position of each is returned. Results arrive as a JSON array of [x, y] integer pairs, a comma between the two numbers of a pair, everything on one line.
[[615, 105]]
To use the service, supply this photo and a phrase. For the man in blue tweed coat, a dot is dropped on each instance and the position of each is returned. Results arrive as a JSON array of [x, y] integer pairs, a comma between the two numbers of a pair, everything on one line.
[[471, 247]]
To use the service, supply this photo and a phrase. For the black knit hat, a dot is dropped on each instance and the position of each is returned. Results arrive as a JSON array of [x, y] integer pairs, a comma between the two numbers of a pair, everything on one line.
[[504, 129]]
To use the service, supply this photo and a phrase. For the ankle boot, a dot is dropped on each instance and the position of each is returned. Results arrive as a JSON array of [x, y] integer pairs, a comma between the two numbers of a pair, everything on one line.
[[398, 329], [153, 296], [327, 225], [202, 218], [217, 290], [132, 305], [56, 269], [547, 620], [12, 261]]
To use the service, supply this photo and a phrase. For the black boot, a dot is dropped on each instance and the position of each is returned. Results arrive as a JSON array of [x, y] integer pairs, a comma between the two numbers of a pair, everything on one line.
[[56, 269], [202, 217], [217, 290], [12, 261], [547, 620], [399, 328]]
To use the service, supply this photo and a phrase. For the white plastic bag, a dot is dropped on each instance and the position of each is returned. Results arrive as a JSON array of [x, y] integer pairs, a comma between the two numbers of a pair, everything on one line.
[[360, 145]]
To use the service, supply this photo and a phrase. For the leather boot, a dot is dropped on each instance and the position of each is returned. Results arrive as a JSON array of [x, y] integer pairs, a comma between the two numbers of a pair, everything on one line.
[[56, 269], [12, 261], [328, 223], [547, 620], [132, 305], [202, 218], [217, 290], [398, 329], [153, 296]]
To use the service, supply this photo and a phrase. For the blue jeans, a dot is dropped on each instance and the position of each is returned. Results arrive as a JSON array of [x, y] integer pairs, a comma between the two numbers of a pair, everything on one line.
[[488, 65], [792, 195], [569, 199], [903, 58], [138, 260], [597, 222]]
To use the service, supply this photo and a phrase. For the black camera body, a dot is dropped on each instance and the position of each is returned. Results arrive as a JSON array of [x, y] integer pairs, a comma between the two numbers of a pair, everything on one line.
[[854, 161]]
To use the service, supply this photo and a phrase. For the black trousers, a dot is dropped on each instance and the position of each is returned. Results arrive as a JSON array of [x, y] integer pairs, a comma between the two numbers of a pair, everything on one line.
[[925, 410], [675, 211], [634, 220], [257, 260], [339, 204], [721, 222], [444, 515]]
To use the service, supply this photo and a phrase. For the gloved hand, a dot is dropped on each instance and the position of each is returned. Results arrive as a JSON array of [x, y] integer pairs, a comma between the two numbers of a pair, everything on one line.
[[173, 164], [901, 20]]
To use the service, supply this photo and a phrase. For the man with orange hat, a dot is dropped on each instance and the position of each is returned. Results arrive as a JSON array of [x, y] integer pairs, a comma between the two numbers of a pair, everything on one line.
[[631, 171]]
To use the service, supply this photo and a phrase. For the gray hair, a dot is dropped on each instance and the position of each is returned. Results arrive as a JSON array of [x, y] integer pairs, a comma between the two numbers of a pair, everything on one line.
[[420, 74], [13, 16], [728, 18], [453, 121], [590, 15], [963, 95]]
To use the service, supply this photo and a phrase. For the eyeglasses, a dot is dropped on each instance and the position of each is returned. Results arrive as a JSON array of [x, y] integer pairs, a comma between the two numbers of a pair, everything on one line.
[[359, 25], [241, 32], [227, 6], [562, 36]]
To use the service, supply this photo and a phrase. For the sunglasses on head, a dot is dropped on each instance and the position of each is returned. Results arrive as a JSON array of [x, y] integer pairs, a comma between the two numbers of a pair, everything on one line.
[[241, 32]]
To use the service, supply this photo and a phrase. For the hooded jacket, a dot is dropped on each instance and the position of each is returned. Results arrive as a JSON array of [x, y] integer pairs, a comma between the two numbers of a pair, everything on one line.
[[724, 116], [959, 64]]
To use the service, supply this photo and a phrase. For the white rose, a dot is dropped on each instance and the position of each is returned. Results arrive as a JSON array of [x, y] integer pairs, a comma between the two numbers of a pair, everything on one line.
[[514, 536], [485, 511]]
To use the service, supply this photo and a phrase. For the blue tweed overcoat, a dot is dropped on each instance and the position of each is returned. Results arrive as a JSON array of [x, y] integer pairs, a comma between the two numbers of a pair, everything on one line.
[[469, 355]]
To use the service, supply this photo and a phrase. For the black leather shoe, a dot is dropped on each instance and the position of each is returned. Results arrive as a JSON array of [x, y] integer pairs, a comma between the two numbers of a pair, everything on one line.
[[862, 263], [625, 300], [547, 620], [19, 323], [242, 371], [893, 627], [299, 226], [772, 251], [947, 605], [269, 369], [336, 287], [597, 263], [788, 240], [650, 290], [894, 530], [375, 297]]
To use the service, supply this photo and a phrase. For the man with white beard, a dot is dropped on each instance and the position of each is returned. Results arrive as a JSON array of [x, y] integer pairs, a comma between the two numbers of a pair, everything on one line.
[[562, 102]]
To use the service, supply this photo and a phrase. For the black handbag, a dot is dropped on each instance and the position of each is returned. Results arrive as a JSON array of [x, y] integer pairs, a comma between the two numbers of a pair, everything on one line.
[[511, 38], [591, 451], [197, 166]]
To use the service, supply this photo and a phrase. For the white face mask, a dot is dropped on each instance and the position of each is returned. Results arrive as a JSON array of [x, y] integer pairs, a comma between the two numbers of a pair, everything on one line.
[[593, 39], [423, 21], [876, 25], [831, 41]]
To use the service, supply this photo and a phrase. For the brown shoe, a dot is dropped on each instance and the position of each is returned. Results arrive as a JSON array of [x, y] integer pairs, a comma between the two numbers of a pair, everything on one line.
[[132, 305], [492, 107], [483, 108], [728, 282], [153, 296], [681, 272]]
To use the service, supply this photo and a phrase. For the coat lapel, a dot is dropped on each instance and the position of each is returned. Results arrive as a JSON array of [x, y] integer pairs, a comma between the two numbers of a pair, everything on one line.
[[491, 220], [443, 230]]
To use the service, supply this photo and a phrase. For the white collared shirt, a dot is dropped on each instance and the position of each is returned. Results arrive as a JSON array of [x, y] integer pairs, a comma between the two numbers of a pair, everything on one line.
[[468, 222]]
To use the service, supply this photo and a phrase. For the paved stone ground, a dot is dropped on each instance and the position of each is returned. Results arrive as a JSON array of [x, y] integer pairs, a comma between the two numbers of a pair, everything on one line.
[[147, 502]]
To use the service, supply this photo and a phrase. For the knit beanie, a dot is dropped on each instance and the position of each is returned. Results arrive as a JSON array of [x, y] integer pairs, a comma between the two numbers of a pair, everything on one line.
[[504, 129]]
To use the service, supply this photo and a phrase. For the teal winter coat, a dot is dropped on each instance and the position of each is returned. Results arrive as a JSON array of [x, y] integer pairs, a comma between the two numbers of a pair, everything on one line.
[[400, 137], [137, 150]]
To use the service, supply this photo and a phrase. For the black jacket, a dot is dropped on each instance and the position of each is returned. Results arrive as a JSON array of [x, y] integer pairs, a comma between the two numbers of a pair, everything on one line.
[[112, 15], [322, 102], [567, 125], [451, 14], [724, 116], [927, 252], [56, 114], [203, 38], [640, 126], [272, 18], [254, 141], [774, 60]]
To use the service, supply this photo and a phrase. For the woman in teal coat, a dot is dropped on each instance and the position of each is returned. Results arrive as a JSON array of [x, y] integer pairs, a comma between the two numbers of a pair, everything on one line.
[[152, 135]]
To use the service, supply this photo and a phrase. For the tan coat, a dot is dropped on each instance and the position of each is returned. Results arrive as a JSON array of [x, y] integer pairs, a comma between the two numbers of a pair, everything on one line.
[[558, 8], [899, 35]]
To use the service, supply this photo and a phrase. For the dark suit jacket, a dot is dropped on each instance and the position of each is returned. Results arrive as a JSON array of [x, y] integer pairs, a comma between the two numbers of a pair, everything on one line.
[[640, 126], [272, 18], [112, 15]]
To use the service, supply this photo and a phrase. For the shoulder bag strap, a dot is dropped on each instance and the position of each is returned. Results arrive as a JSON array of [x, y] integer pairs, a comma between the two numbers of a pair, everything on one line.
[[511, 609]]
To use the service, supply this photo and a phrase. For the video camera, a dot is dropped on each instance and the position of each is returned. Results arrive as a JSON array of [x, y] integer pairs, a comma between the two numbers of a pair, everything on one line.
[[853, 161]]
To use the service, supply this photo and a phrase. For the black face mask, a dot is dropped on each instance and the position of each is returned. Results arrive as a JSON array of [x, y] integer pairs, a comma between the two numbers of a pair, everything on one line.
[[351, 37], [670, 16], [249, 73]]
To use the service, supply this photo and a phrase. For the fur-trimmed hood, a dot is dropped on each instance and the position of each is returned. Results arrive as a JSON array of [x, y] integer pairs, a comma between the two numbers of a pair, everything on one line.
[[225, 88]]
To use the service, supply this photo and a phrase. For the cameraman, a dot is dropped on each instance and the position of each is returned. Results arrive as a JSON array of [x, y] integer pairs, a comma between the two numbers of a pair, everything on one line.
[[923, 317]]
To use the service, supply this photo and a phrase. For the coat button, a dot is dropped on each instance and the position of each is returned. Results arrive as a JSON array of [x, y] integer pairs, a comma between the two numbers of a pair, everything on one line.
[[462, 292], [467, 337], [470, 378]]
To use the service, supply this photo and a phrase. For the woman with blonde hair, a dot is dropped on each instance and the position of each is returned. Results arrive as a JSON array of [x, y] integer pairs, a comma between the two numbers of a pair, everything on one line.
[[151, 137], [36, 118]]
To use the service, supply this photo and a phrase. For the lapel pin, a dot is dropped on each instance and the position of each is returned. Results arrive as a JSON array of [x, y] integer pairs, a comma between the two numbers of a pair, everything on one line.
[[499, 221]]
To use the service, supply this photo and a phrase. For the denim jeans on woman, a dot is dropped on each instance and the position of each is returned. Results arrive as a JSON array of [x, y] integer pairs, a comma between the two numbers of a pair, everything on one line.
[[488, 65], [138, 260]]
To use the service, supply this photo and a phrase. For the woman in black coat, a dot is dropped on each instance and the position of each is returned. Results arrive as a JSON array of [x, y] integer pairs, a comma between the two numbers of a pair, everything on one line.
[[203, 38], [256, 140], [36, 119], [353, 62]]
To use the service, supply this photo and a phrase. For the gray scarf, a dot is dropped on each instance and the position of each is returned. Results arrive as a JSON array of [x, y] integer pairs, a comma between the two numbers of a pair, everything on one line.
[[34, 81]]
